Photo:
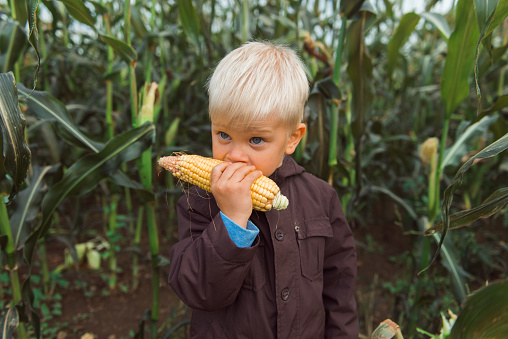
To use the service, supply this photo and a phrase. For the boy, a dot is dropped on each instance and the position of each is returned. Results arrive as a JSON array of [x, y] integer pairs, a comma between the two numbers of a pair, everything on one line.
[[275, 274]]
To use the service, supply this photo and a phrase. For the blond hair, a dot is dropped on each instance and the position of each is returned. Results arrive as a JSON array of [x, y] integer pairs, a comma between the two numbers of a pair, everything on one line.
[[256, 81]]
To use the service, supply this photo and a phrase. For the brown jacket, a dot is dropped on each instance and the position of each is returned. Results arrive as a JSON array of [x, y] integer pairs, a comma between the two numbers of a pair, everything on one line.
[[297, 280]]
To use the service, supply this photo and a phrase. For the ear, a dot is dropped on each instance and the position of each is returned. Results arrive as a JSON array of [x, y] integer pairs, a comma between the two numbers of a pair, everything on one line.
[[295, 137]]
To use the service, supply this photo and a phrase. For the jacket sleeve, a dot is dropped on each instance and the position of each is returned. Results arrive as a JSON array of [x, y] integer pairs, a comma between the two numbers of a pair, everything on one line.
[[207, 269], [339, 276]]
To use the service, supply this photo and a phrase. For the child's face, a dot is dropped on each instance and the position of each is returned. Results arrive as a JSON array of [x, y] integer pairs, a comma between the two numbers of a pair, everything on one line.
[[262, 145]]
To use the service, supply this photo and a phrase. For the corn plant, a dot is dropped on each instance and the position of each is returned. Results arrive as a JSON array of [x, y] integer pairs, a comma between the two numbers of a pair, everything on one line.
[[80, 178], [484, 315], [493, 204], [14, 165], [383, 81], [146, 115]]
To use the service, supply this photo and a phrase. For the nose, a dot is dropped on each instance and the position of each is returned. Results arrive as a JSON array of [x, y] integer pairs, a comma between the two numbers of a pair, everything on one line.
[[236, 154]]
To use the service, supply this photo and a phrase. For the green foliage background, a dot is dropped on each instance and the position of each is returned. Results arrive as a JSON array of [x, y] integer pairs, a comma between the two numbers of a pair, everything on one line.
[[383, 81]]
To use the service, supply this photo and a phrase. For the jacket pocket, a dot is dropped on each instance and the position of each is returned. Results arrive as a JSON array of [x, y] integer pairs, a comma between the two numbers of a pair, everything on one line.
[[256, 277], [311, 236]]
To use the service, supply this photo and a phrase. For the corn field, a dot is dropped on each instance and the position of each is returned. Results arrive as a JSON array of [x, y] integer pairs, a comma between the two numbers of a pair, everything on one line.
[[407, 119]]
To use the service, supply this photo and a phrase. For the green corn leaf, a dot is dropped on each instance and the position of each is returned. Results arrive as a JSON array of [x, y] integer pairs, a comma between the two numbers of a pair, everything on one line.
[[27, 309], [450, 260], [121, 179], [9, 322], [348, 8], [454, 154], [20, 12], [367, 14], [445, 329], [389, 9], [500, 103], [47, 107], [396, 198], [493, 149], [28, 205], [189, 20], [16, 154], [439, 22], [328, 89], [123, 50], [406, 27], [33, 34], [495, 203], [87, 172], [499, 16], [54, 9], [485, 314], [100, 9], [460, 58], [338, 63], [360, 72], [79, 11], [5, 187], [138, 26], [484, 14], [317, 145], [12, 42]]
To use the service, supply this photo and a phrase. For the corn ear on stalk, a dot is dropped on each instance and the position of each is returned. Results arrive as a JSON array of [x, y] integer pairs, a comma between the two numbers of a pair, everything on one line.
[[197, 170]]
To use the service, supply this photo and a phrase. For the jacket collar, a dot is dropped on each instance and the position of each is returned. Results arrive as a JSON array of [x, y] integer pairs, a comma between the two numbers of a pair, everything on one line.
[[288, 168]]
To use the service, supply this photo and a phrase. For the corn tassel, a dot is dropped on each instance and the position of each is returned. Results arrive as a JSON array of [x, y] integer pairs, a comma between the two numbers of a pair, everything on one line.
[[197, 170]]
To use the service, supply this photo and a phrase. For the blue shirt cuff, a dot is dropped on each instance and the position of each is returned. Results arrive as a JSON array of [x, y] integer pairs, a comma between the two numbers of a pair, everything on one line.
[[241, 237]]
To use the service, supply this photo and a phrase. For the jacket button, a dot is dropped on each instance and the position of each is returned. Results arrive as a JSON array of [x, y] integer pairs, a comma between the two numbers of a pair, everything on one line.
[[279, 234], [285, 294]]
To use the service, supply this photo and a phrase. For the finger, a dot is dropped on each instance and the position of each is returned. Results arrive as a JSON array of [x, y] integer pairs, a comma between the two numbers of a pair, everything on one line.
[[236, 171], [252, 176], [218, 169], [240, 173]]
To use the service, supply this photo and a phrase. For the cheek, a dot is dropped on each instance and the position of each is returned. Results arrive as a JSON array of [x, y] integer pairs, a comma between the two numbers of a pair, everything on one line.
[[219, 150], [216, 148], [271, 162]]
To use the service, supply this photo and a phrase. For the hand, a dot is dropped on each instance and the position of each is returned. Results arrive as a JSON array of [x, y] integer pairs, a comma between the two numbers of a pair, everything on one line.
[[230, 184]]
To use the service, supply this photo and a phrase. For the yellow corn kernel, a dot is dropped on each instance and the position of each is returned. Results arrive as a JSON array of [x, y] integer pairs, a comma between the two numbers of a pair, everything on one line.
[[197, 170]]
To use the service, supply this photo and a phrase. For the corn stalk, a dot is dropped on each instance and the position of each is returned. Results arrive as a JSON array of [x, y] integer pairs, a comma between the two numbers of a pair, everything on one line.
[[111, 211], [5, 231], [455, 87], [334, 106], [360, 73], [132, 66], [145, 171]]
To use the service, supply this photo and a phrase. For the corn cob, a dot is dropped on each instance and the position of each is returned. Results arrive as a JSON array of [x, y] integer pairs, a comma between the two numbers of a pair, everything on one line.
[[197, 170]]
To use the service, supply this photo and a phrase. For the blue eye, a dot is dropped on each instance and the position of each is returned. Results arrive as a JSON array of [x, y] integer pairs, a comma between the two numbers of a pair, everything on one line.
[[224, 136], [257, 141]]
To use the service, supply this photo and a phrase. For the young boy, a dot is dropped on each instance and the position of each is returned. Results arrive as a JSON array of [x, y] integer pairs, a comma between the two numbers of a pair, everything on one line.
[[276, 274]]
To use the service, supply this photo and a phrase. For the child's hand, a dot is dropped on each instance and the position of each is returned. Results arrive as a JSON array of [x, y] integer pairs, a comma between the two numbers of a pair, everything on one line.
[[230, 184]]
